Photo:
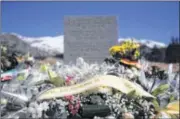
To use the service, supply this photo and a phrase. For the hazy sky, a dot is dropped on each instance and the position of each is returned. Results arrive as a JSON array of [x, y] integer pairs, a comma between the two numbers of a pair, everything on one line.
[[147, 20]]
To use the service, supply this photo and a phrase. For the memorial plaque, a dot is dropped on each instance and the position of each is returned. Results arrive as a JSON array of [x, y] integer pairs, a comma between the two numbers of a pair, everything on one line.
[[89, 37]]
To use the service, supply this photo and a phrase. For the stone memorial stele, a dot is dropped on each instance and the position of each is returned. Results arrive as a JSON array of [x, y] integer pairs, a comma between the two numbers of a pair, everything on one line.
[[89, 37]]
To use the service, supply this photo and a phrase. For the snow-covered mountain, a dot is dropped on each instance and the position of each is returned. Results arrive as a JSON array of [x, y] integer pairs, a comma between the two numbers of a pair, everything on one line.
[[46, 43], [56, 43], [148, 43]]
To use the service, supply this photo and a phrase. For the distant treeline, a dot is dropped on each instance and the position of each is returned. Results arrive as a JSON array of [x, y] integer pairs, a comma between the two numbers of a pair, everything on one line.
[[155, 54], [169, 54], [173, 51]]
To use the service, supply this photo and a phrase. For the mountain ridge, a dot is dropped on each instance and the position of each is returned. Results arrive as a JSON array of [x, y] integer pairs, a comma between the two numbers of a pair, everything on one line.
[[52, 46]]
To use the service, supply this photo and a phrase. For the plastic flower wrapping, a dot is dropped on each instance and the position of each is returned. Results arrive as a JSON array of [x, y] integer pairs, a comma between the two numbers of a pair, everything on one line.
[[91, 91]]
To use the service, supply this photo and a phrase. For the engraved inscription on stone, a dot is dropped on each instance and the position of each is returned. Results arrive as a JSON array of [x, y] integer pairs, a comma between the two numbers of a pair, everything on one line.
[[89, 37]]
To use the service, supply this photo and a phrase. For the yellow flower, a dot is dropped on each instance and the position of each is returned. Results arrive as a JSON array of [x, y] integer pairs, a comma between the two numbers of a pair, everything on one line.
[[125, 47]]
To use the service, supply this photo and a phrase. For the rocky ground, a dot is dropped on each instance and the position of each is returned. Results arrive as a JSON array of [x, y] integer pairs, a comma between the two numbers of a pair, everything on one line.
[[164, 66]]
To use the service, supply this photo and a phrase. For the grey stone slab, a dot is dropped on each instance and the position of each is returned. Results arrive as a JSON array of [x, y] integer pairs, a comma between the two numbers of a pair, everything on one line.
[[89, 37]]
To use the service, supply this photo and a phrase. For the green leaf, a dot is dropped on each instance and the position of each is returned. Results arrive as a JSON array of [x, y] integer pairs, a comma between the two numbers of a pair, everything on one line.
[[43, 68], [55, 79], [156, 104], [21, 77], [160, 89], [172, 98]]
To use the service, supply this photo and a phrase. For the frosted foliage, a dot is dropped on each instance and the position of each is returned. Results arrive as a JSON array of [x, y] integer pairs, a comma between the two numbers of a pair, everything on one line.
[[36, 109], [26, 91], [142, 76], [173, 81], [83, 71]]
